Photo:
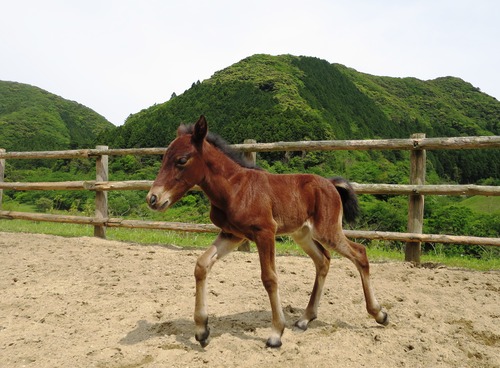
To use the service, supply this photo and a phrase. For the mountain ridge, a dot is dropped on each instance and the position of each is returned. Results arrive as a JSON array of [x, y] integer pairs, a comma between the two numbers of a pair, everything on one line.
[[32, 119]]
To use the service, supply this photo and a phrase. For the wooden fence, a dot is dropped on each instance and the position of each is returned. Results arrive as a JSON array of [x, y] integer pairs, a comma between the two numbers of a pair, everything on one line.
[[416, 190]]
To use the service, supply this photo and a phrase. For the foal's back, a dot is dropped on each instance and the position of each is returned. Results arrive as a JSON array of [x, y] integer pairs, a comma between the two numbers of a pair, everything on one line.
[[295, 199]]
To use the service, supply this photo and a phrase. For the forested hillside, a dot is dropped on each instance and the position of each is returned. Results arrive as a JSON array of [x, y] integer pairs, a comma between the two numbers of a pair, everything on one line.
[[32, 119], [289, 98]]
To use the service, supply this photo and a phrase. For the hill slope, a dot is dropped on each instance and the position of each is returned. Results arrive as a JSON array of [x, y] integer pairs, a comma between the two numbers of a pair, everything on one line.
[[481, 204], [32, 119], [287, 98], [443, 107], [446, 106]]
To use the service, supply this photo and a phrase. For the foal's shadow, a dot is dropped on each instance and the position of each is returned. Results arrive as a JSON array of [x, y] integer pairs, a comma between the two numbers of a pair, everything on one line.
[[145, 330], [240, 325]]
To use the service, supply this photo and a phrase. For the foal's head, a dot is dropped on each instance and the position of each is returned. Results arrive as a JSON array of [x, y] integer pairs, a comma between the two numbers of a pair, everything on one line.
[[182, 167]]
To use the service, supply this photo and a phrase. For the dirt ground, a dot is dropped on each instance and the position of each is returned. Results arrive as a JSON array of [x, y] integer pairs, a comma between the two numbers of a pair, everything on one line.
[[87, 302]]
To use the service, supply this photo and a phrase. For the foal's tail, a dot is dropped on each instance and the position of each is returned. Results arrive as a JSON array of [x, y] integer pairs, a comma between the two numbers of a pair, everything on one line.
[[349, 198]]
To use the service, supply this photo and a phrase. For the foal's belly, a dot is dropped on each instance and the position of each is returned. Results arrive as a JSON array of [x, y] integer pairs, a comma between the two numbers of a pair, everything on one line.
[[289, 225]]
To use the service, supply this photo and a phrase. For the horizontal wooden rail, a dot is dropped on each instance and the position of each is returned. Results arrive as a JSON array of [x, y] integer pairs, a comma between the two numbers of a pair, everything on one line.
[[455, 143], [413, 237], [209, 228], [391, 189], [110, 222], [407, 189], [80, 185], [83, 153]]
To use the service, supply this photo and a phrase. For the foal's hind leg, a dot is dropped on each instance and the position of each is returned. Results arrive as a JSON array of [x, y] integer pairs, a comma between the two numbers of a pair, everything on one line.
[[321, 259], [224, 244], [357, 254]]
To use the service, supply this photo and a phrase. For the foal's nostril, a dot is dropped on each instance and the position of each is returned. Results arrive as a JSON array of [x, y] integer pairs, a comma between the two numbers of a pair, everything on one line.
[[153, 200]]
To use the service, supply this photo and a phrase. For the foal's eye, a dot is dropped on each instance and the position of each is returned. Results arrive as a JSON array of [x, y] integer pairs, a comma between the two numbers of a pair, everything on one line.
[[181, 161]]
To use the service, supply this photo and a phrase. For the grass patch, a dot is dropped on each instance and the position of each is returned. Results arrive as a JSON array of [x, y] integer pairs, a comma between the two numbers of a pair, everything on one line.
[[482, 204], [463, 262], [142, 236], [51, 228], [149, 236]]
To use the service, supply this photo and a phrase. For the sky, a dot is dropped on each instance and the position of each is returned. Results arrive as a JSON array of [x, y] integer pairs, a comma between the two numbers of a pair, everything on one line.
[[121, 56]]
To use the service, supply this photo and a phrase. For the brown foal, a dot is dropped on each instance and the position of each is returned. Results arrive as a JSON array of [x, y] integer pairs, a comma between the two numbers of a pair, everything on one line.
[[249, 203]]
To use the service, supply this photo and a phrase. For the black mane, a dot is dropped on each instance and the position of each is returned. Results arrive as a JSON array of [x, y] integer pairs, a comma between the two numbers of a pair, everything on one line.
[[219, 142]]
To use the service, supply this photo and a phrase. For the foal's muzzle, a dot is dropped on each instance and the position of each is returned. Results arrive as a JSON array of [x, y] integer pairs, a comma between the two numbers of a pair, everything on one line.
[[158, 202], [153, 200]]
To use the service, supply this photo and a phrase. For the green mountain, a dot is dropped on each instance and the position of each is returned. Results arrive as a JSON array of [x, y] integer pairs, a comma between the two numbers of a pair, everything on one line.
[[32, 119], [287, 98], [445, 106]]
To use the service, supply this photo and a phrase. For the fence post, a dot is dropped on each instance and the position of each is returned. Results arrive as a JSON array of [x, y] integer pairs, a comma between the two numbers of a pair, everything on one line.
[[413, 250], [2, 175], [101, 197], [252, 158]]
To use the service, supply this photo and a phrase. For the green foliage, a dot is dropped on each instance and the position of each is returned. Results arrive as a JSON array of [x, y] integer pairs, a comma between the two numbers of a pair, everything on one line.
[[32, 119], [384, 214], [458, 219], [44, 204], [338, 101]]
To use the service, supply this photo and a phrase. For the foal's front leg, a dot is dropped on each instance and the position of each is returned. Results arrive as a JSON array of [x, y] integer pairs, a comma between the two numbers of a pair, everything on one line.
[[223, 245], [265, 246]]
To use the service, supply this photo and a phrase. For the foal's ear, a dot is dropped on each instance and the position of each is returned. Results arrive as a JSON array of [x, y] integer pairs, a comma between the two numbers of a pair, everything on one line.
[[200, 131]]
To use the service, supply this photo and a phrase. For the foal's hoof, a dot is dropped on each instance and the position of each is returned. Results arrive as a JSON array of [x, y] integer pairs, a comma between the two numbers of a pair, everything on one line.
[[301, 325], [203, 338], [384, 321], [203, 343], [273, 343]]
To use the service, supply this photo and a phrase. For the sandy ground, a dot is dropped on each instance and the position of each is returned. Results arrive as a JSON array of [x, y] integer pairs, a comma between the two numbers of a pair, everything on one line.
[[87, 302]]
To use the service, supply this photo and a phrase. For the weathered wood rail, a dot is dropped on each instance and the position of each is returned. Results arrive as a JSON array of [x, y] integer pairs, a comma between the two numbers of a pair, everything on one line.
[[416, 190], [393, 189], [453, 143]]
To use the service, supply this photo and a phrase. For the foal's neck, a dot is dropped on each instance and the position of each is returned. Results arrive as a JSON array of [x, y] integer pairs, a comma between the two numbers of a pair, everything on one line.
[[219, 169]]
